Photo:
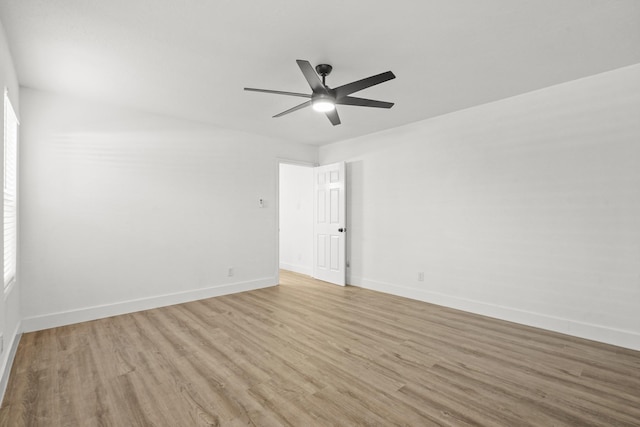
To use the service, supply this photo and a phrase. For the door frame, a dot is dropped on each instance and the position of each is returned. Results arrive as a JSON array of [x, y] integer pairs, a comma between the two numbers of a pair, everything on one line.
[[280, 161]]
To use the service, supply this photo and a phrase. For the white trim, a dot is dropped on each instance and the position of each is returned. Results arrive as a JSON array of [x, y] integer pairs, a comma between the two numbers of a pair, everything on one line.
[[9, 288], [296, 268], [53, 320], [6, 94], [622, 338], [282, 160], [276, 261], [8, 363]]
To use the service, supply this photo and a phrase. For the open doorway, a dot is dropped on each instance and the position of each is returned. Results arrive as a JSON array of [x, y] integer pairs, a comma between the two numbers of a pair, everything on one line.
[[296, 218]]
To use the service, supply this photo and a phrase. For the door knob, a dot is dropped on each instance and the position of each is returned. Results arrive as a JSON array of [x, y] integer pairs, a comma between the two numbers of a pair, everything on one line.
[[342, 230]]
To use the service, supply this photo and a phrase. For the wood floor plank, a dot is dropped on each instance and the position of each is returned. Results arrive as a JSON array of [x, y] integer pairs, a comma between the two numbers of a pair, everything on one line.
[[307, 353]]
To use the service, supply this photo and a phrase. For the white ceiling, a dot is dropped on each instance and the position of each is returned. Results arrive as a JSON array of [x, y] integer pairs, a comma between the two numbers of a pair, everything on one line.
[[191, 59]]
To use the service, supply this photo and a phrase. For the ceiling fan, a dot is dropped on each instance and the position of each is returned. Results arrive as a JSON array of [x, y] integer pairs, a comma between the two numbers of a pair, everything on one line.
[[324, 99]]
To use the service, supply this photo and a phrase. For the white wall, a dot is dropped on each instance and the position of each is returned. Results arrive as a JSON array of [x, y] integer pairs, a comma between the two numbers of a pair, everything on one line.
[[526, 209], [296, 218], [124, 210], [10, 303]]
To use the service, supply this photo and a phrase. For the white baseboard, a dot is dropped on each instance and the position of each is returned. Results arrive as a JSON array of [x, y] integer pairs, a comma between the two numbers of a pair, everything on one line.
[[8, 361], [302, 269], [53, 320], [622, 338]]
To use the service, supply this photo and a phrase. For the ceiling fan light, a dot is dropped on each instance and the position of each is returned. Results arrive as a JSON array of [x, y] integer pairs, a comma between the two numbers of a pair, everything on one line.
[[323, 105]]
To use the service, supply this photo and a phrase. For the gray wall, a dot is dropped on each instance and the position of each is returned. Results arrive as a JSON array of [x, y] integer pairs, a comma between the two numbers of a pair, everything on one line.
[[123, 210], [526, 209]]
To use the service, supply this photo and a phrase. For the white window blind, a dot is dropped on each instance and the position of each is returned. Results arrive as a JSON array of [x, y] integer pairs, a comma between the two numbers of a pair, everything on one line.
[[10, 190]]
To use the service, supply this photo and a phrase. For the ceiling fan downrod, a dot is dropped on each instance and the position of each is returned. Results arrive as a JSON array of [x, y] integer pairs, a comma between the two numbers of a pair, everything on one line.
[[323, 70]]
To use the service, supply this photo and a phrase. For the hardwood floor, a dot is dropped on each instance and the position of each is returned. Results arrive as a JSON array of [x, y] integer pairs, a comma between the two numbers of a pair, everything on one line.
[[308, 353]]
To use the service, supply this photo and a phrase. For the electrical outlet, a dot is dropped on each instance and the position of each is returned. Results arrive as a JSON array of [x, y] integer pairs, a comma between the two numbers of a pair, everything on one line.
[[420, 276], [230, 272]]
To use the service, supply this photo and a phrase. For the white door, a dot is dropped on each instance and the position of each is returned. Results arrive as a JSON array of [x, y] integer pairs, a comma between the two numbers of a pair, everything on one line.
[[329, 223]]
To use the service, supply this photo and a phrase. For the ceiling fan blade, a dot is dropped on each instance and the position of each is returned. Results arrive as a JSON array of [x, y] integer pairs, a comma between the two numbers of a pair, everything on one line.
[[363, 102], [278, 92], [333, 117], [312, 78], [349, 88], [296, 108]]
